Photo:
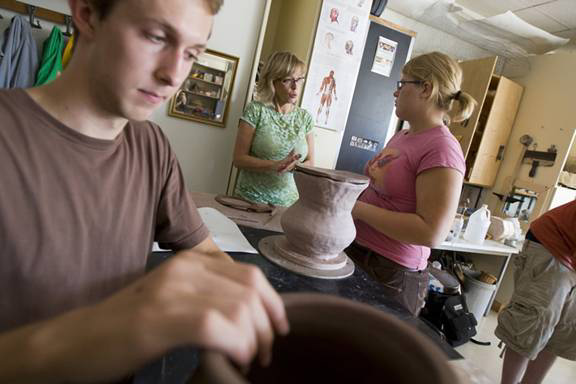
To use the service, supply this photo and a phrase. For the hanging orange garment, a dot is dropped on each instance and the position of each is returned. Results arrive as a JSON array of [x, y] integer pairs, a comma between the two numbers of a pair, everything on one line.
[[68, 51]]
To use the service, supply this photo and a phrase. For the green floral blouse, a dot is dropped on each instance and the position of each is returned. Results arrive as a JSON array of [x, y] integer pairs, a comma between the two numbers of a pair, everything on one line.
[[275, 135]]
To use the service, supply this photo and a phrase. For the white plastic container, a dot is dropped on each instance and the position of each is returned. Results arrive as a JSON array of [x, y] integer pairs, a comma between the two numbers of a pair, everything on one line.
[[478, 225]]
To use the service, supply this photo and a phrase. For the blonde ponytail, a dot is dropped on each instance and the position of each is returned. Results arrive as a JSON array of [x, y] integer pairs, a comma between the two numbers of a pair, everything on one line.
[[467, 105]]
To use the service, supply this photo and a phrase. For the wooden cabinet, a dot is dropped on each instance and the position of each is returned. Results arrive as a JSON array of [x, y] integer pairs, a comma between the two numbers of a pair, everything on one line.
[[485, 134]]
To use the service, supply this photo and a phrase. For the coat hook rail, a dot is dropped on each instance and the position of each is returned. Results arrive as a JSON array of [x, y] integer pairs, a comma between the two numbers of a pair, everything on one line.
[[37, 13]]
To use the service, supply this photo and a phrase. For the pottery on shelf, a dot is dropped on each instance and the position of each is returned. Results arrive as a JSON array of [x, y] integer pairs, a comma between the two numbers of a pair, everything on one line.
[[336, 340], [319, 226]]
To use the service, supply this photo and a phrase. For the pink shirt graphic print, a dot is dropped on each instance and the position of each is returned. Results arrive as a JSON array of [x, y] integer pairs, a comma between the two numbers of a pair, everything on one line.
[[393, 174]]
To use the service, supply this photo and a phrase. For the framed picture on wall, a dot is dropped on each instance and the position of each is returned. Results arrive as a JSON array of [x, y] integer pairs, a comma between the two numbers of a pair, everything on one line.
[[205, 94]]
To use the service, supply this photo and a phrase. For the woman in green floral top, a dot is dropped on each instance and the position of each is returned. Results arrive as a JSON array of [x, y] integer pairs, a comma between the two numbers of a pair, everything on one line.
[[274, 134]]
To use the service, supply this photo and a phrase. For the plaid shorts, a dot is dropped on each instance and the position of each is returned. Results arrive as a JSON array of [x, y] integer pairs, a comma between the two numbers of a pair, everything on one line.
[[542, 311]]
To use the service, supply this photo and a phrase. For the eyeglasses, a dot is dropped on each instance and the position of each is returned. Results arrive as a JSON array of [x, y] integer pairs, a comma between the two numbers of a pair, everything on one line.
[[400, 83], [292, 81]]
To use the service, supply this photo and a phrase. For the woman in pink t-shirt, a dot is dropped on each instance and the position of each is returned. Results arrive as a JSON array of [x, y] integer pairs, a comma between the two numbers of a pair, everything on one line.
[[415, 181]]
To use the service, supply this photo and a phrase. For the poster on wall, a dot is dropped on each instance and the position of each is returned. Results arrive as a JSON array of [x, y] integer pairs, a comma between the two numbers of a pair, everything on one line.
[[384, 57], [335, 61]]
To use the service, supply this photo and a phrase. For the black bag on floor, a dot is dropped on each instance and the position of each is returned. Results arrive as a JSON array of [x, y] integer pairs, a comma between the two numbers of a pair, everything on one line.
[[449, 313]]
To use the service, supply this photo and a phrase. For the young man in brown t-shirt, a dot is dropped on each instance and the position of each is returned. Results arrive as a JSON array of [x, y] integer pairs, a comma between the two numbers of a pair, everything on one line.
[[87, 184]]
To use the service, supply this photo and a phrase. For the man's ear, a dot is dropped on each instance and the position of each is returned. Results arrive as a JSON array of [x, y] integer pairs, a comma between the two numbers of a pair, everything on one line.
[[84, 17]]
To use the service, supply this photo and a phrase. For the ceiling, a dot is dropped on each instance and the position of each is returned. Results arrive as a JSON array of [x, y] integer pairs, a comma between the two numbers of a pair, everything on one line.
[[557, 17]]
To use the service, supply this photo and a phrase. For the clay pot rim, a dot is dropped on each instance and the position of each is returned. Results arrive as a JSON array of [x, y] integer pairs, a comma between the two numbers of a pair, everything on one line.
[[223, 370], [336, 175]]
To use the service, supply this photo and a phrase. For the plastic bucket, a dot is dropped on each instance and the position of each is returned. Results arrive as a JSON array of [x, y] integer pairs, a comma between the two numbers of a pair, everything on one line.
[[478, 294]]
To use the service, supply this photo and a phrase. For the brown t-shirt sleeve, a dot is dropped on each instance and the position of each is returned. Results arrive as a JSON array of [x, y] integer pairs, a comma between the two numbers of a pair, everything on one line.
[[178, 223]]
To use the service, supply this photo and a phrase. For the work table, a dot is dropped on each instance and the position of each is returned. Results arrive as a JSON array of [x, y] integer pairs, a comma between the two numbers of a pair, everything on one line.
[[178, 365]]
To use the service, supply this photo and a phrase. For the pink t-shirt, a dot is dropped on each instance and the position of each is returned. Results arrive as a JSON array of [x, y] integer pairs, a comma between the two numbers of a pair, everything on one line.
[[393, 186]]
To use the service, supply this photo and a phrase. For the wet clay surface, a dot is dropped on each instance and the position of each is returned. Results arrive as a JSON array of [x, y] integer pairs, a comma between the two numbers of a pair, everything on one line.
[[319, 226]]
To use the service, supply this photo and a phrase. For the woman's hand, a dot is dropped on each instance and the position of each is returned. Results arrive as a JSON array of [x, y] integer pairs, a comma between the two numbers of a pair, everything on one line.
[[288, 163]]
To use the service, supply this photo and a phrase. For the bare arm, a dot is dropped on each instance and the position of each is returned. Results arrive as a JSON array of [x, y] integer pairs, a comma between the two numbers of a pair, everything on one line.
[[243, 159], [437, 194], [207, 247], [310, 158], [322, 86], [335, 96], [214, 304]]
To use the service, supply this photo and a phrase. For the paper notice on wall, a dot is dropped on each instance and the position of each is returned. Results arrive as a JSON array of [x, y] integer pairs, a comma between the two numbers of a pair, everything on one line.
[[384, 57]]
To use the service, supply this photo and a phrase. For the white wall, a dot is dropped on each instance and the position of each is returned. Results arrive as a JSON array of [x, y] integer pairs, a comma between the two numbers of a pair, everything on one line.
[[546, 114], [204, 151]]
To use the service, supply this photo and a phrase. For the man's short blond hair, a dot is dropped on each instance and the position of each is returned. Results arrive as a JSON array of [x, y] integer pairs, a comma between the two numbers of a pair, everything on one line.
[[103, 7]]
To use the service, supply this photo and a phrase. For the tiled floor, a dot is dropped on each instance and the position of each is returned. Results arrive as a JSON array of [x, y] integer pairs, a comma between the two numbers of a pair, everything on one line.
[[487, 357]]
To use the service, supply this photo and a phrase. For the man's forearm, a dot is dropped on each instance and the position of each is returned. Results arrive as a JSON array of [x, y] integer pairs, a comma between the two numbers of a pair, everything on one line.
[[206, 247], [69, 348], [405, 227], [217, 254]]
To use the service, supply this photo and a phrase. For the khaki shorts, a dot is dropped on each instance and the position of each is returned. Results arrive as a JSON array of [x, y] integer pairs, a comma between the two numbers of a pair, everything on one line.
[[542, 311]]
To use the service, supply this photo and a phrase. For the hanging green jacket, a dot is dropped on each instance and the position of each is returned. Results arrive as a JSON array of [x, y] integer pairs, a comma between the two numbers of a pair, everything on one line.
[[51, 64]]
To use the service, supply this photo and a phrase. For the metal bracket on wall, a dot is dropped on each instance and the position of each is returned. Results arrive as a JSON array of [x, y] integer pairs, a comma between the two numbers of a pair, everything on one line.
[[538, 159], [34, 23]]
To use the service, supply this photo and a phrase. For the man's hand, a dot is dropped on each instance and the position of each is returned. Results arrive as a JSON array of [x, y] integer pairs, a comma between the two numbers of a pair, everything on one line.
[[201, 301], [206, 247]]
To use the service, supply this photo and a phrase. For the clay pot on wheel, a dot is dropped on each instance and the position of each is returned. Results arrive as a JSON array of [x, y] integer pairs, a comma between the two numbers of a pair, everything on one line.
[[320, 223], [319, 226], [335, 340]]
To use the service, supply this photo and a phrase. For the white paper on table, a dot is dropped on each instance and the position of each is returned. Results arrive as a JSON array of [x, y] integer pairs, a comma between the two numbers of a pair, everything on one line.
[[224, 231]]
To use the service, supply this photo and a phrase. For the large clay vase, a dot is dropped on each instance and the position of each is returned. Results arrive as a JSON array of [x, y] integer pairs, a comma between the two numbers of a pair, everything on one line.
[[336, 340], [320, 223], [319, 226]]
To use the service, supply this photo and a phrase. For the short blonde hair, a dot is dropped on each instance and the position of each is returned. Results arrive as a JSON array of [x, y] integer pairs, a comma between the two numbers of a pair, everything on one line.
[[279, 66], [445, 76], [103, 7]]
